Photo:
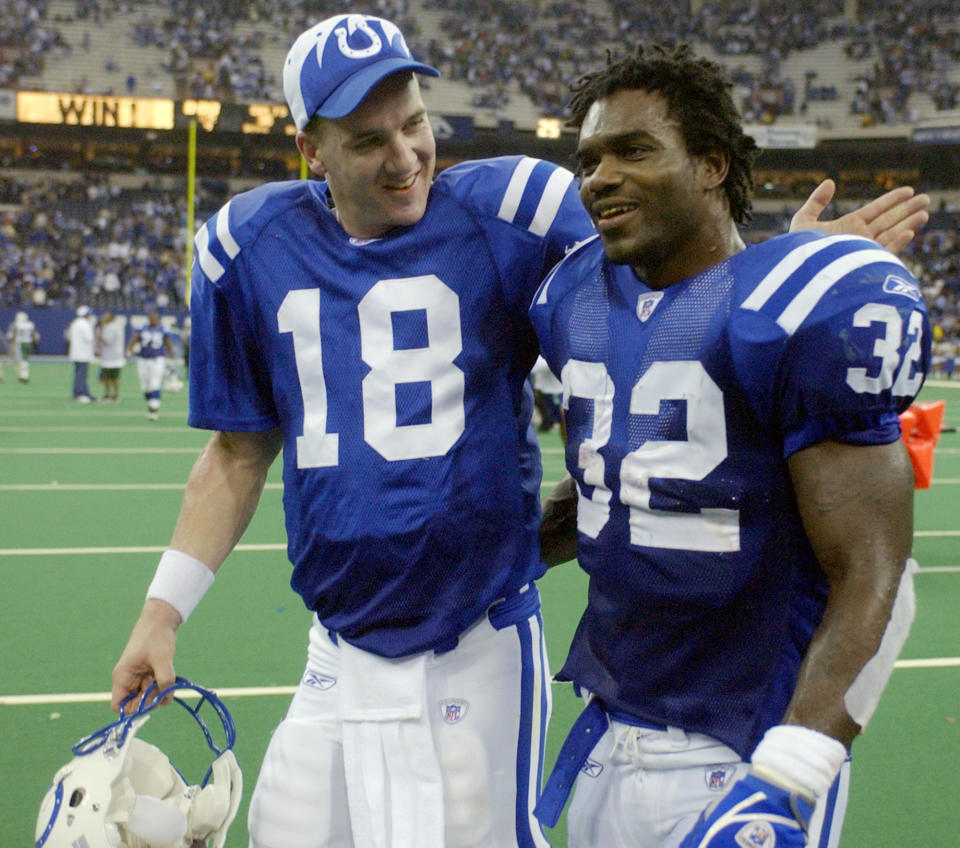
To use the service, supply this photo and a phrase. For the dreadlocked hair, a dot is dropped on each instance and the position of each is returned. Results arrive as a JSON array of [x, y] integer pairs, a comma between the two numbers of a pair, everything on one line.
[[698, 95]]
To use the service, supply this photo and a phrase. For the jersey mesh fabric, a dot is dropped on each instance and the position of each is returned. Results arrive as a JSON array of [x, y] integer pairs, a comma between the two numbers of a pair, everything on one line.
[[704, 592], [396, 369]]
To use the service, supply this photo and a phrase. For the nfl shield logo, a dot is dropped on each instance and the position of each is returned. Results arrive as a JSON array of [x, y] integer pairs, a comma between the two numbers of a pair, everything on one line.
[[453, 711], [647, 303], [716, 777]]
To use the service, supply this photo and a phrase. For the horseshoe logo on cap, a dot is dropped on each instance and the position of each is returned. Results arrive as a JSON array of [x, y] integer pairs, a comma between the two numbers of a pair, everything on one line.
[[354, 23]]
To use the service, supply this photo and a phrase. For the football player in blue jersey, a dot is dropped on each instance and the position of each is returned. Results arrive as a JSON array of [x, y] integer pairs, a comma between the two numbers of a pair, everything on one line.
[[744, 500], [373, 324], [152, 346]]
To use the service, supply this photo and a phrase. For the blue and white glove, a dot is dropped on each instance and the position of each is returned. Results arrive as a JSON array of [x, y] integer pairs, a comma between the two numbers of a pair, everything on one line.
[[771, 806], [753, 814]]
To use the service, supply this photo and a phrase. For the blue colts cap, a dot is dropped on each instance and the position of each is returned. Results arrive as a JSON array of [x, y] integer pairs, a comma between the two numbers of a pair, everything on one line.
[[332, 66]]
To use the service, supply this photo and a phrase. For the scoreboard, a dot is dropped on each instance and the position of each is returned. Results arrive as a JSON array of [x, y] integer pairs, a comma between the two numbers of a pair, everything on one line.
[[151, 113]]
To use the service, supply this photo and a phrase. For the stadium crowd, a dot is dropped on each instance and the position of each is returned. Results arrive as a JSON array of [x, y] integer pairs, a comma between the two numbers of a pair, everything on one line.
[[534, 47], [87, 240]]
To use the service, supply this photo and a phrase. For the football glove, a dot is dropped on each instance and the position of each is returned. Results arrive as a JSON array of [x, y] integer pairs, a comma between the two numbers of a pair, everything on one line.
[[755, 813]]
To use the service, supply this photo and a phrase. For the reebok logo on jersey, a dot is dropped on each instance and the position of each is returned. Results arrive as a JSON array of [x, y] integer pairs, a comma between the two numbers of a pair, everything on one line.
[[647, 303], [453, 710], [319, 681], [897, 285], [717, 777], [758, 834]]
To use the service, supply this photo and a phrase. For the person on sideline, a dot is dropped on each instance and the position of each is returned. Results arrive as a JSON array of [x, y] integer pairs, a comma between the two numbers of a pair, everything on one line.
[[744, 499], [112, 353], [22, 341], [374, 325], [80, 342], [152, 346]]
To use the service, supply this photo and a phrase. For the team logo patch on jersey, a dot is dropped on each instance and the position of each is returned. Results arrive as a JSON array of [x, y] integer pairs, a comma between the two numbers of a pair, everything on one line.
[[717, 777], [898, 285], [453, 710], [757, 834], [591, 768], [647, 303], [319, 681]]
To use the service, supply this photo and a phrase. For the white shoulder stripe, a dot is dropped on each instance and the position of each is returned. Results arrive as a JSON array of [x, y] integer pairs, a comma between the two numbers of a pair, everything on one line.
[[223, 231], [784, 268], [809, 296], [549, 205], [514, 193], [208, 262]]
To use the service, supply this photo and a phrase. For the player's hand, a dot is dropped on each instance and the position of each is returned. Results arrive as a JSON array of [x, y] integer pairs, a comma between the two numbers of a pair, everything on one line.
[[892, 220], [558, 525], [148, 656], [753, 812]]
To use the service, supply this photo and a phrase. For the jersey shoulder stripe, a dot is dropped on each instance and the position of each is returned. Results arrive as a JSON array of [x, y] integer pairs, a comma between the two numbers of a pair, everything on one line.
[[240, 220], [520, 190], [821, 264]]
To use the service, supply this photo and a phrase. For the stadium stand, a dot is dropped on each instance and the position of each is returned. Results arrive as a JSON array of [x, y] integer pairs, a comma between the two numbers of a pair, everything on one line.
[[510, 60], [113, 236]]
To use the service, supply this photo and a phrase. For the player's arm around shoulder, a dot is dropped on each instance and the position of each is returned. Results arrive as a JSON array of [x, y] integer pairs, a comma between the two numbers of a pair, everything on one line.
[[892, 220]]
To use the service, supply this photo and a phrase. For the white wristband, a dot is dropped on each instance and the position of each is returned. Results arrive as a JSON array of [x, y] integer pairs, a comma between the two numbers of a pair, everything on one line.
[[802, 755], [181, 580]]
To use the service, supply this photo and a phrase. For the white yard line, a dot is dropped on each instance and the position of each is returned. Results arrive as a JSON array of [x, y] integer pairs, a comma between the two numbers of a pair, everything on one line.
[[286, 691]]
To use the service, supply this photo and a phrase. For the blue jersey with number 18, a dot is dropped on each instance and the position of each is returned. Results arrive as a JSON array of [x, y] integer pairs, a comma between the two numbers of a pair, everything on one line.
[[682, 408], [396, 370]]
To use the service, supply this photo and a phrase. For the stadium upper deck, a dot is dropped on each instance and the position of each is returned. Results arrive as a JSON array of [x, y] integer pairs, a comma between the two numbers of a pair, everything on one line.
[[860, 65]]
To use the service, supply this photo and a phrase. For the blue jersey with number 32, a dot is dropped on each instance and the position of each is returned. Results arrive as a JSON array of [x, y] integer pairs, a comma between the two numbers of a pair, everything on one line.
[[683, 406], [396, 369]]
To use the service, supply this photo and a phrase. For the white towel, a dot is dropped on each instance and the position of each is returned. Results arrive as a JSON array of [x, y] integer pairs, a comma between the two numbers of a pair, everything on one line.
[[394, 784]]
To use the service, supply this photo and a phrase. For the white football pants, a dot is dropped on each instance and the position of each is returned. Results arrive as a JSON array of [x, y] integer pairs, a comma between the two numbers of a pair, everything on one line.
[[150, 371], [487, 702], [645, 787]]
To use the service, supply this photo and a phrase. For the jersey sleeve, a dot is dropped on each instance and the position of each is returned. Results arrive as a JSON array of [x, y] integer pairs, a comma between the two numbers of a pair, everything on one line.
[[229, 384], [580, 261], [833, 343], [531, 209]]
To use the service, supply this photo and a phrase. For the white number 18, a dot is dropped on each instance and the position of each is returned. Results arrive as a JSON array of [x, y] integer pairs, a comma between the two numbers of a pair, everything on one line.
[[299, 314]]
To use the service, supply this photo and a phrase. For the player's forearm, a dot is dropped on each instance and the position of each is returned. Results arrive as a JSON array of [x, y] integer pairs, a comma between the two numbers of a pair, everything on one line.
[[558, 526], [222, 494], [857, 508]]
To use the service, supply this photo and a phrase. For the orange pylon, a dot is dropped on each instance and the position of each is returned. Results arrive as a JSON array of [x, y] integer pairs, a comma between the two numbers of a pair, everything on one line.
[[920, 429]]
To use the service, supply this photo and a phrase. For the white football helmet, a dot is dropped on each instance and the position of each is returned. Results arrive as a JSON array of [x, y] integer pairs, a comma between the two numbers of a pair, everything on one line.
[[123, 792]]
